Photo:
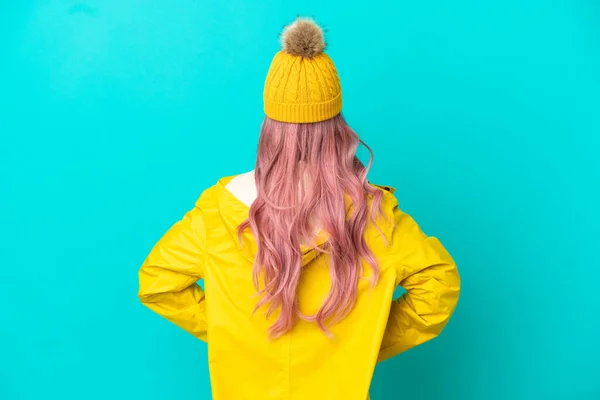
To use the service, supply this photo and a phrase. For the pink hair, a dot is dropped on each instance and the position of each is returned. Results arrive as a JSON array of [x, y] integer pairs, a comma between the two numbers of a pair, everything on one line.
[[280, 218]]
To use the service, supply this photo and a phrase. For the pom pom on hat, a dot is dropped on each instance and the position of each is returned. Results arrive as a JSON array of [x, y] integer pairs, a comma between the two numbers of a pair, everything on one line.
[[303, 37], [302, 84]]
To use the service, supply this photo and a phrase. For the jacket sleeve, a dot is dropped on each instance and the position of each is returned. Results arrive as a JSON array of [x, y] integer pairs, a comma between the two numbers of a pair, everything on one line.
[[429, 275], [168, 276]]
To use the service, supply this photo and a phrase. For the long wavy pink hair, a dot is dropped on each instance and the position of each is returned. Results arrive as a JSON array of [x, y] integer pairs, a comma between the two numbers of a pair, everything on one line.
[[302, 173]]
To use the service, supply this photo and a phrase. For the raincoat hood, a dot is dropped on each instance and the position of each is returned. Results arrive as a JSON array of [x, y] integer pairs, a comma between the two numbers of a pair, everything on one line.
[[235, 195], [234, 211]]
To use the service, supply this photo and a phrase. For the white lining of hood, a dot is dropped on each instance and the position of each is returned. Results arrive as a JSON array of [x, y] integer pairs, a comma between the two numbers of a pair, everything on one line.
[[243, 187]]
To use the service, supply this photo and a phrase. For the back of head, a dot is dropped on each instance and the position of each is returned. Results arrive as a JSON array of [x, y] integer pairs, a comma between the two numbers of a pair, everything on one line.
[[309, 182]]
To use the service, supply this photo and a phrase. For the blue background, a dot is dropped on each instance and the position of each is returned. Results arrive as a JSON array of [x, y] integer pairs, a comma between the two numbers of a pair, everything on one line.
[[115, 115]]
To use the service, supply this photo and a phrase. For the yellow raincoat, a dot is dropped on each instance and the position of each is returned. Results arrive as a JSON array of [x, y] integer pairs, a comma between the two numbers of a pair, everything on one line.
[[304, 364]]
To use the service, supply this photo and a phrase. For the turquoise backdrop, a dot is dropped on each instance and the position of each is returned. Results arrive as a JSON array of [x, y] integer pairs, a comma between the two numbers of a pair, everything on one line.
[[116, 114]]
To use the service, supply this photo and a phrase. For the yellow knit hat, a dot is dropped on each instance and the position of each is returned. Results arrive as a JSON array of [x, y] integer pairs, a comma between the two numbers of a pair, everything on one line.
[[302, 85]]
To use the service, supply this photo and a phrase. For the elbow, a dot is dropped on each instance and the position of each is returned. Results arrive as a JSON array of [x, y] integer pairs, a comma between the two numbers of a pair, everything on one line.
[[453, 292], [151, 300], [144, 297], [445, 304], [147, 285], [448, 299], [145, 293]]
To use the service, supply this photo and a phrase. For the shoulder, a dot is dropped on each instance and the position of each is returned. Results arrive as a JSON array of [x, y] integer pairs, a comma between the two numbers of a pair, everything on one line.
[[389, 201], [243, 187], [211, 196], [239, 179], [385, 188], [401, 227]]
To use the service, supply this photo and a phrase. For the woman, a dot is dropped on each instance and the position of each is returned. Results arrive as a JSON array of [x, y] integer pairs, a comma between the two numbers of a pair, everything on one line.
[[300, 257]]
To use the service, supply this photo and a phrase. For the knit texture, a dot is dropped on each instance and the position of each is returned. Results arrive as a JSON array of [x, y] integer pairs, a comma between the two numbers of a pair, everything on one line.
[[301, 89]]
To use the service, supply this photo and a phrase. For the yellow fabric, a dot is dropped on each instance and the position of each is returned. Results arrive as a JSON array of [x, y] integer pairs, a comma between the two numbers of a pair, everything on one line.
[[304, 363], [301, 90]]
